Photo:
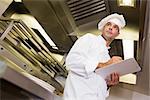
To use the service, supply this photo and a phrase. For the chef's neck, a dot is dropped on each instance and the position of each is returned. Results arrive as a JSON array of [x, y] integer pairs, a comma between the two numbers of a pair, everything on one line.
[[108, 40]]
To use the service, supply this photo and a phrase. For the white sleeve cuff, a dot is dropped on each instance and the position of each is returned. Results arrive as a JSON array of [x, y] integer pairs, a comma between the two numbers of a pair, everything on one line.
[[90, 66], [107, 92]]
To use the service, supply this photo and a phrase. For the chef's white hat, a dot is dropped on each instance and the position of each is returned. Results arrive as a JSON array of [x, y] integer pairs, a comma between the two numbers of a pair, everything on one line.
[[115, 18]]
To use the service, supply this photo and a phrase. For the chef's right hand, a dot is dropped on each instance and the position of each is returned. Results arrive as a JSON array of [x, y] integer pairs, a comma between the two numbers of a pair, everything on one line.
[[115, 59]]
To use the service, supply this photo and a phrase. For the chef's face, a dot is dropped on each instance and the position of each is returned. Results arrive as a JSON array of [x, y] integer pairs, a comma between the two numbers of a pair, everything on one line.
[[110, 30]]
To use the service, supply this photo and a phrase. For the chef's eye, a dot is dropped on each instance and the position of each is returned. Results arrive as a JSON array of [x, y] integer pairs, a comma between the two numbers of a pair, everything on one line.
[[108, 24], [116, 27]]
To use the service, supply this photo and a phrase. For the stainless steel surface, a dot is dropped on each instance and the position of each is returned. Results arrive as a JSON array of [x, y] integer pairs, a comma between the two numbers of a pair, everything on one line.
[[143, 84], [86, 11], [23, 47], [81, 9], [48, 18], [4, 5], [24, 82], [7, 30]]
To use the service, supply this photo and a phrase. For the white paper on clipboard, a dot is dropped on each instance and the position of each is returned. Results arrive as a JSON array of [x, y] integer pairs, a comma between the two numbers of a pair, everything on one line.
[[124, 67]]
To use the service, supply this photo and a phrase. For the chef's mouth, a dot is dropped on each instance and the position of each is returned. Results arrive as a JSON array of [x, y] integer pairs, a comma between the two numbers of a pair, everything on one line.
[[109, 32]]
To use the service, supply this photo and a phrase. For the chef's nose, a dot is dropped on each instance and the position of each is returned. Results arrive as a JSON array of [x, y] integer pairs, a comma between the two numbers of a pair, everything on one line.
[[110, 28]]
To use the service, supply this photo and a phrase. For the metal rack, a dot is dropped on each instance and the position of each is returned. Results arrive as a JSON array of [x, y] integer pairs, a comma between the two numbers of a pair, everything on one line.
[[21, 45]]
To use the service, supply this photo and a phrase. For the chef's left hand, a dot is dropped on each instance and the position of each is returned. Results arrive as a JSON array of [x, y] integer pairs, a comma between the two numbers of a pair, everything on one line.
[[113, 79]]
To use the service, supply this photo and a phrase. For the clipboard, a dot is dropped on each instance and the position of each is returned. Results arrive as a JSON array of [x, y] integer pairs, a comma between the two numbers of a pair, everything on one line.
[[124, 67]]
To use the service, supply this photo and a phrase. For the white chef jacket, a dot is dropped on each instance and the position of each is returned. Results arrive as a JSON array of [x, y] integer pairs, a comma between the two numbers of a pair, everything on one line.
[[82, 82]]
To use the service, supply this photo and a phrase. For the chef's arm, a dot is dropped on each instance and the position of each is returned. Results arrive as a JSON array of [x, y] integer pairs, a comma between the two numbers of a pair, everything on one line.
[[100, 65], [114, 59]]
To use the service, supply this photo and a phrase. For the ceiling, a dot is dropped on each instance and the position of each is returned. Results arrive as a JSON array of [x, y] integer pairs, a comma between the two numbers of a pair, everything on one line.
[[64, 20]]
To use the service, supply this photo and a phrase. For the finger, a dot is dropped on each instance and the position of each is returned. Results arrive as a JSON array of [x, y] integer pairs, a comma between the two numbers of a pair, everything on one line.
[[111, 75], [116, 78], [120, 58], [117, 57], [112, 79], [109, 83], [108, 80]]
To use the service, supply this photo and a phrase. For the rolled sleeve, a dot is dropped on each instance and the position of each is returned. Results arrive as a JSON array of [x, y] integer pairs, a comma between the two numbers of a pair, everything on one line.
[[90, 66]]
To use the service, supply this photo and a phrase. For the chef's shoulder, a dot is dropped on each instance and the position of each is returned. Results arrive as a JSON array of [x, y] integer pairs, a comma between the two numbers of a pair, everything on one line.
[[88, 36]]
